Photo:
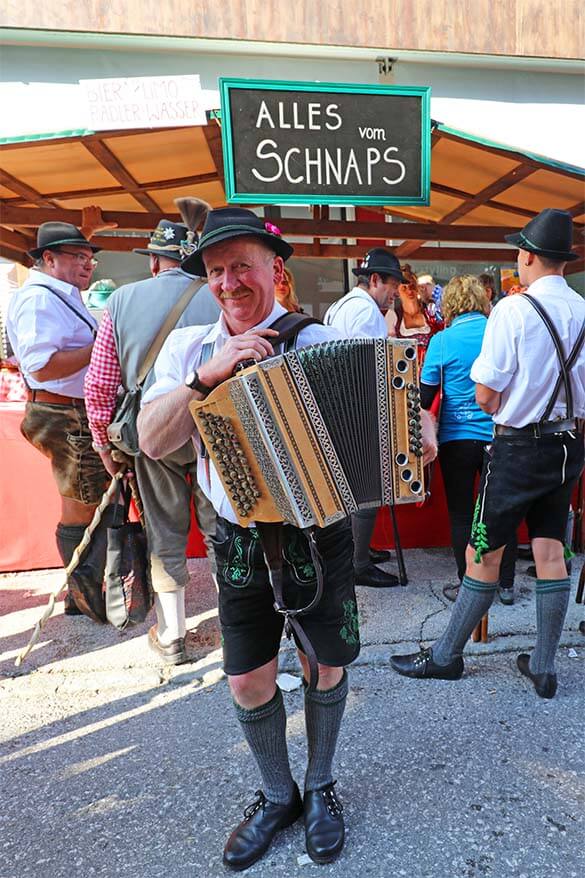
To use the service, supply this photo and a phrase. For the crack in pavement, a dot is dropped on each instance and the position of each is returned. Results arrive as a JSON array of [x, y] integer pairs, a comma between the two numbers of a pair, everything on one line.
[[433, 613]]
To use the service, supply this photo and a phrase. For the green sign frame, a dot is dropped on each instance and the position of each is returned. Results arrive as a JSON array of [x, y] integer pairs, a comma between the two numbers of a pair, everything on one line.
[[228, 85]]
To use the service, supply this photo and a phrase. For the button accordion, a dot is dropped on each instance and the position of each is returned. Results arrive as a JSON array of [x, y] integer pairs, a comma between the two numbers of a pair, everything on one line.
[[310, 436]]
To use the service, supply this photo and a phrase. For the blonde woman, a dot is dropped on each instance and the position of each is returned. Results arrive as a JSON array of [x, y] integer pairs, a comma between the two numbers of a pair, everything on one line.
[[464, 429], [285, 292]]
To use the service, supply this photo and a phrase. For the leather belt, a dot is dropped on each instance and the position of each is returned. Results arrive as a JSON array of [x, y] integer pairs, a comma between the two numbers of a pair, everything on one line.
[[53, 398], [544, 428]]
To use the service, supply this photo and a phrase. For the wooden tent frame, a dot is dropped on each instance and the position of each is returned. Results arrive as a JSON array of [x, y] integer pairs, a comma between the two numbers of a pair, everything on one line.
[[413, 234]]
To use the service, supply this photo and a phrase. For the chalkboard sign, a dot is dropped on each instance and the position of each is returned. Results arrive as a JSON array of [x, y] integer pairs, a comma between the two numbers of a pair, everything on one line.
[[323, 143]]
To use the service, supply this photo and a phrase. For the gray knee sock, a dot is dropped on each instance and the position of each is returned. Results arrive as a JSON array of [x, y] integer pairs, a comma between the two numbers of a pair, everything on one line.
[[362, 525], [323, 714], [264, 729], [552, 600], [473, 601]]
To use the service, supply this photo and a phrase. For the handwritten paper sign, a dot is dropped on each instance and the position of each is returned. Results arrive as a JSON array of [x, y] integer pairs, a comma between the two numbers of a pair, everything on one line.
[[316, 143], [144, 102]]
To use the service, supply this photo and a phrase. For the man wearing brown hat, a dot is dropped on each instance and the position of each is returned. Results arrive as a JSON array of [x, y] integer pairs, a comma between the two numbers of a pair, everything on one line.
[[133, 317], [359, 315], [52, 334], [530, 376]]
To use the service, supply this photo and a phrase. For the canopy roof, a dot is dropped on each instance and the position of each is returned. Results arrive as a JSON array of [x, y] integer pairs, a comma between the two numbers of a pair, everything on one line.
[[480, 191]]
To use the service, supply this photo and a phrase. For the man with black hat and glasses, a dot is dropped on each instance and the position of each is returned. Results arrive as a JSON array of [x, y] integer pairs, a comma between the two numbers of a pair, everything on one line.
[[530, 375], [243, 257], [52, 335], [133, 317], [359, 315]]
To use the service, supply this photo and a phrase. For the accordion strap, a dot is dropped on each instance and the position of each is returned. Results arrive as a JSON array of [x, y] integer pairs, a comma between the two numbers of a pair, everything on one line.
[[289, 325], [272, 545]]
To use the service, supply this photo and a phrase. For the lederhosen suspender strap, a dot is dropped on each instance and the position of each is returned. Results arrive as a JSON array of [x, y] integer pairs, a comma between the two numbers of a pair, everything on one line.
[[347, 298], [71, 308], [566, 364]]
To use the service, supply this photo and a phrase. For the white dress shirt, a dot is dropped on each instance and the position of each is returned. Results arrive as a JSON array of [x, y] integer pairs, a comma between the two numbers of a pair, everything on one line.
[[181, 353], [518, 357], [357, 315], [39, 325]]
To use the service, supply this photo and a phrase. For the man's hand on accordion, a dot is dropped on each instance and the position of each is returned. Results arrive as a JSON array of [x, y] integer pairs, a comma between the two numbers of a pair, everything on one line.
[[429, 437], [253, 345]]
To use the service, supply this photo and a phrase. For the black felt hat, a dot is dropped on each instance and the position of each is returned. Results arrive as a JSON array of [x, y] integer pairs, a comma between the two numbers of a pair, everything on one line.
[[234, 222], [171, 240], [380, 261], [53, 235], [549, 234]]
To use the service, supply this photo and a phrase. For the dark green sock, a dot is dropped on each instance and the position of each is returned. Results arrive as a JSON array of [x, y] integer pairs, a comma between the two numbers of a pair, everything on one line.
[[552, 600], [473, 601], [323, 714], [264, 728]]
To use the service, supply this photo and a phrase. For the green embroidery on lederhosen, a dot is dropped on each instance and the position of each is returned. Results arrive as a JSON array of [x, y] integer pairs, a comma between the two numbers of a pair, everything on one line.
[[239, 566], [350, 631], [297, 554], [479, 534]]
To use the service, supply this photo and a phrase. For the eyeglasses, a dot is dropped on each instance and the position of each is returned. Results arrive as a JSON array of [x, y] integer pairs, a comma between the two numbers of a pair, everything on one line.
[[81, 258]]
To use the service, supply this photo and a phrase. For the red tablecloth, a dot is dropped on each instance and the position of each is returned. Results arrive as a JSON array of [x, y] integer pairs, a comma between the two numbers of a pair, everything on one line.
[[29, 501]]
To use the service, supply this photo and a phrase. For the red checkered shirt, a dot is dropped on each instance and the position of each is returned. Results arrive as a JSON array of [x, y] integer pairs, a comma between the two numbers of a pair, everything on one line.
[[102, 381]]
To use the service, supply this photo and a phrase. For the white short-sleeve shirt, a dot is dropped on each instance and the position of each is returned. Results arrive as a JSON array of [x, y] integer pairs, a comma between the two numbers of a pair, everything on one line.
[[181, 353], [518, 357], [357, 315], [39, 324]]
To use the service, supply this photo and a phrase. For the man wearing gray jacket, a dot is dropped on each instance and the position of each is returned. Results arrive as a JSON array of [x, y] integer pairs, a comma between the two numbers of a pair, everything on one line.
[[132, 320]]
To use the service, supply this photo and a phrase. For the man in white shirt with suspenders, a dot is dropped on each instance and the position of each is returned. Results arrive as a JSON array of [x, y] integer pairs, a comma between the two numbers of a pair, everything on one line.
[[530, 375]]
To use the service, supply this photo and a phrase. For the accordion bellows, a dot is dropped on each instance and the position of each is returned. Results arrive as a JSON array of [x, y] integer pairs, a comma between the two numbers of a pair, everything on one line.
[[310, 436]]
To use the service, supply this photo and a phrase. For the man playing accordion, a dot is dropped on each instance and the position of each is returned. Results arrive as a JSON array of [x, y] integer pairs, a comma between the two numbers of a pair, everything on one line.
[[243, 260]]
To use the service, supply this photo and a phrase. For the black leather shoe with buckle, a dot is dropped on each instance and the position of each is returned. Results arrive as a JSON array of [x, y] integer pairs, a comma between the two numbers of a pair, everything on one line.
[[324, 828], [372, 577], [262, 820], [545, 684], [173, 653], [421, 665]]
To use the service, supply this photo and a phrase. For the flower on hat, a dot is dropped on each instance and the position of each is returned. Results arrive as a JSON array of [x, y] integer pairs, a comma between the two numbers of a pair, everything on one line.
[[274, 230]]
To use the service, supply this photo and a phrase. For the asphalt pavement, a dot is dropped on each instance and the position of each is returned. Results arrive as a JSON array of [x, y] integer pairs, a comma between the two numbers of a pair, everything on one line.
[[113, 765]]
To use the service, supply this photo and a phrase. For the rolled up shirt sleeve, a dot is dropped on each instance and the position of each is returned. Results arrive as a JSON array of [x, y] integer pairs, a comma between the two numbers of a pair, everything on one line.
[[498, 358], [38, 333], [179, 354]]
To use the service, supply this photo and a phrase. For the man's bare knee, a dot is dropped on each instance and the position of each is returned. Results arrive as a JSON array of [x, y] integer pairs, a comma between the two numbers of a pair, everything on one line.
[[547, 551], [254, 688]]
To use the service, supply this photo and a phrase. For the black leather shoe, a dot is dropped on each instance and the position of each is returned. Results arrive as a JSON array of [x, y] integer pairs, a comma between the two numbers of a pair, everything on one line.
[[421, 665], [324, 829], [372, 577], [173, 653], [507, 595], [451, 592], [380, 556], [545, 684], [262, 820]]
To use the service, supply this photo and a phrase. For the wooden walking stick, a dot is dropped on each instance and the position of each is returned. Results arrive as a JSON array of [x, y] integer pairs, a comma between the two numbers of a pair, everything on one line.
[[104, 502]]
